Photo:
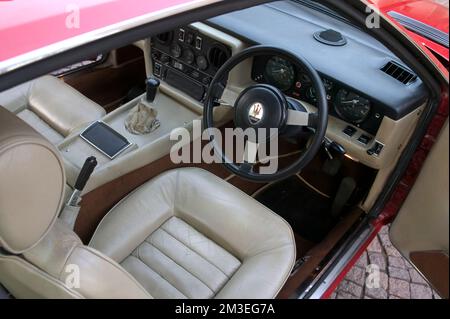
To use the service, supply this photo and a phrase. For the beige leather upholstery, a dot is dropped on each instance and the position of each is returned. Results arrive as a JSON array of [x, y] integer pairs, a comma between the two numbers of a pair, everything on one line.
[[61, 106], [100, 277], [188, 234], [52, 107], [423, 221], [185, 234], [37, 249], [31, 184], [42, 127], [45, 270]]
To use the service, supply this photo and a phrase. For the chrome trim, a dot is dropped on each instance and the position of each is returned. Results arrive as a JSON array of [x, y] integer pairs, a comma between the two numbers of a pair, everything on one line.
[[98, 148], [91, 36], [335, 266], [74, 198]]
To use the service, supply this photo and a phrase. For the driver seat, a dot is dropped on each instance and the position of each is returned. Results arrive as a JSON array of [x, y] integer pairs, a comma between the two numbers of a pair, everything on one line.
[[184, 234]]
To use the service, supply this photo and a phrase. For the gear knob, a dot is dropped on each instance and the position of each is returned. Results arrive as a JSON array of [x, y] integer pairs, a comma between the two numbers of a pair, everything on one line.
[[151, 88]]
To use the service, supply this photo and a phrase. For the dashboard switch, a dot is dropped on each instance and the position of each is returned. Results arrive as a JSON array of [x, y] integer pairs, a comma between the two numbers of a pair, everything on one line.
[[190, 38], [349, 131], [181, 35], [198, 43], [157, 70], [376, 149], [364, 139]]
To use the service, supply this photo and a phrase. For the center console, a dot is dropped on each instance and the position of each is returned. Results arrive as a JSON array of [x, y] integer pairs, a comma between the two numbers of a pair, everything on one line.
[[183, 61], [138, 150], [187, 60]]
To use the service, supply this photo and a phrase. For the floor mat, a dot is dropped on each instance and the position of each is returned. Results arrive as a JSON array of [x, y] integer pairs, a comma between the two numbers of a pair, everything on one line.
[[308, 212]]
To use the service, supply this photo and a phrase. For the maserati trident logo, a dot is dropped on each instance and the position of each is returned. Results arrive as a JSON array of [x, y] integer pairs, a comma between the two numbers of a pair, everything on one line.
[[255, 113]]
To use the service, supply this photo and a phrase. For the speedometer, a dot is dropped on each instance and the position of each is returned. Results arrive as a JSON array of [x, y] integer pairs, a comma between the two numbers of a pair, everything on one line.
[[280, 73], [351, 106]]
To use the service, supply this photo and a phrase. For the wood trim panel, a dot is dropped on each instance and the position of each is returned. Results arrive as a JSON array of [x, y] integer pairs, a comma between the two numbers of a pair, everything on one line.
[[434, 266]]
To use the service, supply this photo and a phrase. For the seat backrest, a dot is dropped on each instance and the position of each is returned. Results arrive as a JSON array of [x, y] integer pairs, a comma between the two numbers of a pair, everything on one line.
[[39, 256], [58, 104]]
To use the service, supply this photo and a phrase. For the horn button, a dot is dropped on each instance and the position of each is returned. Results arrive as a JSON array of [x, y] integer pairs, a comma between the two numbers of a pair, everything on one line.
[[261, 106]]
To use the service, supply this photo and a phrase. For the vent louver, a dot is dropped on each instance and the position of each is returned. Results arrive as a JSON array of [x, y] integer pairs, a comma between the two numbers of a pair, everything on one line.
[[165, 37], [399, 72], [218, 56]]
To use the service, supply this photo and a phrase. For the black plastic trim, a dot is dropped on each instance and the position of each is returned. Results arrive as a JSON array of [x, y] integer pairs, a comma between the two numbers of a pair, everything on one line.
[[421, 28]]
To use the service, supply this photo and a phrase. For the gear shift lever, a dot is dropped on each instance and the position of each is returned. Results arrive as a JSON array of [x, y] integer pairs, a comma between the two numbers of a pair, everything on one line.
[[142, 118], [151, 87]]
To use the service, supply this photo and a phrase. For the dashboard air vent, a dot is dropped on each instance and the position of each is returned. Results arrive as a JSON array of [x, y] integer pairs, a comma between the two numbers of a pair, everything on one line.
[[399, 72], [165, 37], [218, 56]]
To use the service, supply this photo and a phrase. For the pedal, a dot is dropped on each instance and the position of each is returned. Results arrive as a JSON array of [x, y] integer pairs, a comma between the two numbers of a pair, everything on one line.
[[334, 152], [345, 191], [298, 264], [331, 166]]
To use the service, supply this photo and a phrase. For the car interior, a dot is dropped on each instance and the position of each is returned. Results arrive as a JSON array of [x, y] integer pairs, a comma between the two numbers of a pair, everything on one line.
[[149, 227]]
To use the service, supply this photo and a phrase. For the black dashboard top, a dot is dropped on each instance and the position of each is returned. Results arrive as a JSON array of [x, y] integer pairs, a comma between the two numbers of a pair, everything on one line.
[[358, 64]]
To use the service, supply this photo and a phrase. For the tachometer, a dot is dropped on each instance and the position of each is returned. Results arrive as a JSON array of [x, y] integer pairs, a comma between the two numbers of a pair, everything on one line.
[[280, 73], [351, 106]]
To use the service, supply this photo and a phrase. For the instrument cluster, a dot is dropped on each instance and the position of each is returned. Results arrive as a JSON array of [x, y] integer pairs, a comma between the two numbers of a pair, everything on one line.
[[344, 102], [187, 59]]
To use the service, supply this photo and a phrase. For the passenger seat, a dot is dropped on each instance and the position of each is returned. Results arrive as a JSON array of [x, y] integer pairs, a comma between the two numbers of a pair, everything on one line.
[[51, 107]]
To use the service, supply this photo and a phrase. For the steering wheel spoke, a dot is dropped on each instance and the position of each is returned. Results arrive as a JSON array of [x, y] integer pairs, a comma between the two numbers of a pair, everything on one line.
[[299, 118], [264, 106], [251, 152]]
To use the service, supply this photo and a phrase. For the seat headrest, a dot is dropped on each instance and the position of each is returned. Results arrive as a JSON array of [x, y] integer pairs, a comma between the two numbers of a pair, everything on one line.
[[32, 183]]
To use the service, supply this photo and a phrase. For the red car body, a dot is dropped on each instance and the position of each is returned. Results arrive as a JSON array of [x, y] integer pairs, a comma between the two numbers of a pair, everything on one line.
[[27, 26], [427, 12]]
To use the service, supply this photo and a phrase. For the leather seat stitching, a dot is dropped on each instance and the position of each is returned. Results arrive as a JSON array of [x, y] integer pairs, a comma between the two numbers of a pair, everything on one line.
[[157, 274], [196, 252], [226, 251], [201, 281], [177, 178]]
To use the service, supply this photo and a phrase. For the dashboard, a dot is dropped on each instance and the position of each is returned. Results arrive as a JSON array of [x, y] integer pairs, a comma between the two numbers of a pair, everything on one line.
[[188, 60], [374, 99], [345, 103]]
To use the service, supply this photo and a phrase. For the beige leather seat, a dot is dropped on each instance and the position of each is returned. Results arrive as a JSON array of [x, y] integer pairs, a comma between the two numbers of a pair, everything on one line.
[[184, 234], [187, 233], [51, 107]]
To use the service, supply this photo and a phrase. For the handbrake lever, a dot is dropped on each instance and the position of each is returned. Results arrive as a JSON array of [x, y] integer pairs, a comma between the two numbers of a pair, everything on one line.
[[86, 171]]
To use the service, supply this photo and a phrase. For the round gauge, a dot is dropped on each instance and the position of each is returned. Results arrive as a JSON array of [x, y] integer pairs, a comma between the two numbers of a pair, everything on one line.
[[202, 62], [351, 106], [280, 73], [176, 50], [328, 85], [189, 56], [311, 94]]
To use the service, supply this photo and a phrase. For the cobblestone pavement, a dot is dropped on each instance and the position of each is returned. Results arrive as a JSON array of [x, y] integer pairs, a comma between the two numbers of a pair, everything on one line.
[[397, 278]]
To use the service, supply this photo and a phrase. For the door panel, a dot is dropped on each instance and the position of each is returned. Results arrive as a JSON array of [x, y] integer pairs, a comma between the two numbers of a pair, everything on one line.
[[421, 229]]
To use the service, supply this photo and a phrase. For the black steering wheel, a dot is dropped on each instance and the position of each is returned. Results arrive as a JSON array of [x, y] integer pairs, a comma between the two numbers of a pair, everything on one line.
[[263, 106]]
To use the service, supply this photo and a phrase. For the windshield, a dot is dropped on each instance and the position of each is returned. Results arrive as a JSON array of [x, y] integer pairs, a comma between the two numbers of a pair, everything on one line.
[[320, 7]]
